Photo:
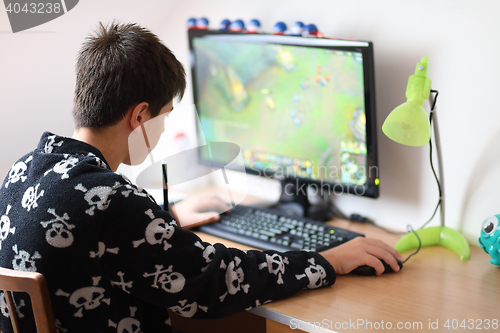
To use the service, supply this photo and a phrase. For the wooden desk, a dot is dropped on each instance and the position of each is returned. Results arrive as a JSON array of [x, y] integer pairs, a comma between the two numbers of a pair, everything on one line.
[[434, 286], [434, 292]]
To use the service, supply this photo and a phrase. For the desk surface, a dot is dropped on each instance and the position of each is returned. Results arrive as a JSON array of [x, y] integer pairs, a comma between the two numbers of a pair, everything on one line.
[[434, 289]]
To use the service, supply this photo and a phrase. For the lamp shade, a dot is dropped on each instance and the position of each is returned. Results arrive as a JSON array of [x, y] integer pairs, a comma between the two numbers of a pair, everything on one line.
[[408, 124]]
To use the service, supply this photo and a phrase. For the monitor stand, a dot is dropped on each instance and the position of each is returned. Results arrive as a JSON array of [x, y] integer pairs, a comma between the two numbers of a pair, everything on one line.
[[294, 200]]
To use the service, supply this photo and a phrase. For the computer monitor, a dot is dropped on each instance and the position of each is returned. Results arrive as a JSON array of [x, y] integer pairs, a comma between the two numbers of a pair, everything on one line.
[[301, 109]]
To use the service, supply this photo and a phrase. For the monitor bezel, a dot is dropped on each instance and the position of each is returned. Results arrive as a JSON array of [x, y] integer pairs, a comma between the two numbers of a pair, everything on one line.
[[371, 187]]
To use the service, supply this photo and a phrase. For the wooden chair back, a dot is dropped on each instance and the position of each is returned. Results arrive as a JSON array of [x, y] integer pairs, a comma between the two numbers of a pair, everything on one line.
[[35, 285]]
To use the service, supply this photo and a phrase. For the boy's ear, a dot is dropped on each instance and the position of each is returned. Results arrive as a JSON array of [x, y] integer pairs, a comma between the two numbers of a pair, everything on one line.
[[138, 114]]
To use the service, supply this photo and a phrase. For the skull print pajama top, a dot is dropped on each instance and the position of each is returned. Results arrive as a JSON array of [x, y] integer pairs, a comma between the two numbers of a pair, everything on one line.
[[115, 261]]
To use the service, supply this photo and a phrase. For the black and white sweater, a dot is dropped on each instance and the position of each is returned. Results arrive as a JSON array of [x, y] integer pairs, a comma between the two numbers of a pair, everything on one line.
[[114, 260]]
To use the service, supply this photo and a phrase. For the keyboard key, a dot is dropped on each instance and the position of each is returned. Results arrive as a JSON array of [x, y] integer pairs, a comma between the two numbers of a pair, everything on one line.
[[267, 233], [276, 231], [228, 228]]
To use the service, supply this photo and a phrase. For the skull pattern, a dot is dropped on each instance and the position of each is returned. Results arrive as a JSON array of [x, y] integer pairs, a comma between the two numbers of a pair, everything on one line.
[[186, 309], [208, 253], [31, 197], [128, 324], [5, 228], [5, 310], [157, 232], [133, 188], [122, 284], [98, 197], [59, 234], [234, 278], [51, 143], [59, 327], [100, 163], [23, 261], [275, 265], [87, 298], [170, 281], [64, 166], [17, 171], [316, 275], [101, 249]]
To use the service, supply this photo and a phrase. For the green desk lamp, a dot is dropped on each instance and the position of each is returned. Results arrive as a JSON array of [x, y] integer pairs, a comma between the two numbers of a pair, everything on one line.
[[409, 125]]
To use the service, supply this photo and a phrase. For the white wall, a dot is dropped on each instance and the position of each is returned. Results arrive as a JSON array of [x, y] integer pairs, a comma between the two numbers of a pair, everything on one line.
[[460, 37]]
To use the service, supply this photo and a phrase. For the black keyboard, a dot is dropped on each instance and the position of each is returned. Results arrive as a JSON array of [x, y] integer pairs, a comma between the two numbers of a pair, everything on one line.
[[268, 229]]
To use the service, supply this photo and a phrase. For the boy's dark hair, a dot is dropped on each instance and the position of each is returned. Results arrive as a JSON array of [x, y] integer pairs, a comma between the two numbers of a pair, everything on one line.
[[120, 66]]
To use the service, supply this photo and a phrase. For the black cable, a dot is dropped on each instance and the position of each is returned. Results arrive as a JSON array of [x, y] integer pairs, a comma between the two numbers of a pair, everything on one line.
[[409, 227], [432, 163], [362, 219]]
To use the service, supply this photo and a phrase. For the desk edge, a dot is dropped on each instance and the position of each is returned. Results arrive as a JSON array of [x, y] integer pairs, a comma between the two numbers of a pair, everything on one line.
[[289, 321]]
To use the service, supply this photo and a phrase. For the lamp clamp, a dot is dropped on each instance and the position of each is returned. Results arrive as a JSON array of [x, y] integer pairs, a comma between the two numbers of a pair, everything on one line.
[[419, 84]]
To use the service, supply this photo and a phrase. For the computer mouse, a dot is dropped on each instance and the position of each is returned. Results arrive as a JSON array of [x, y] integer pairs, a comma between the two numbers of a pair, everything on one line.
[[368, 270]]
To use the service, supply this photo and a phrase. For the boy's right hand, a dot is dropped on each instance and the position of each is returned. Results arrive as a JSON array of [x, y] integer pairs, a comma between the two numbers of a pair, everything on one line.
[[362, 251], [189, 213]]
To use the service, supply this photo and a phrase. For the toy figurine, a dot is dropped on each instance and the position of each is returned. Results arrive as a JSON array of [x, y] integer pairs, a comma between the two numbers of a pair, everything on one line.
[[202, 23], [237, 26], [253, 27], [490, 238], [279, 28], [310, 30], [297, 29], [191, 23], [224, 25]]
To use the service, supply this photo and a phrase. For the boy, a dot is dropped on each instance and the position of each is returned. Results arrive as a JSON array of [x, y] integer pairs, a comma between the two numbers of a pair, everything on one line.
[[111, 256]]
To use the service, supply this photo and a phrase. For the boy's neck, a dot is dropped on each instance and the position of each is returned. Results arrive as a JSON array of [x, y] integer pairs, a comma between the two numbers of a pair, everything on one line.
[[108, 141]]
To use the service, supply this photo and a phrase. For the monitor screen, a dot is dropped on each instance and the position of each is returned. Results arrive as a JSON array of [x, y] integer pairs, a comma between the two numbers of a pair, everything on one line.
[[299, 108]]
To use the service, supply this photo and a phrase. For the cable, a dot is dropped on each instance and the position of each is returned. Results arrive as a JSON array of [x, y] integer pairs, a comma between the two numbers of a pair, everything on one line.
[[409, 227], [432, 163], [362, 219]]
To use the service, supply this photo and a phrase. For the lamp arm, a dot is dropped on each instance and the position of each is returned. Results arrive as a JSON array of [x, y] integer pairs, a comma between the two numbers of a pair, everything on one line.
[[437, 142], [441, 235]]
